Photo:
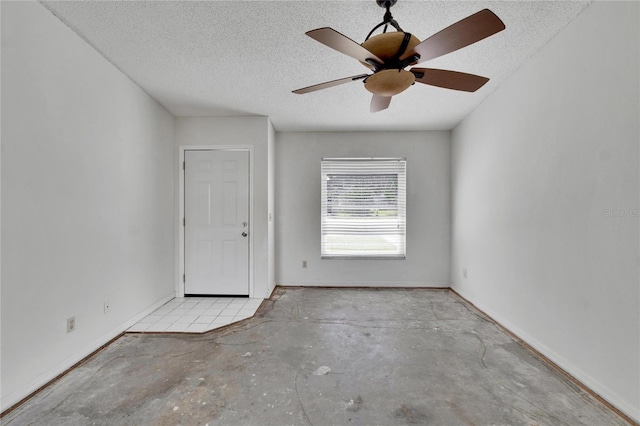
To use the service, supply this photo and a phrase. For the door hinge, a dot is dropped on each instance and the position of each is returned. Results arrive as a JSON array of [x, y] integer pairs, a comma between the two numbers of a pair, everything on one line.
[[184, 165], [184, 221], [184, 278]]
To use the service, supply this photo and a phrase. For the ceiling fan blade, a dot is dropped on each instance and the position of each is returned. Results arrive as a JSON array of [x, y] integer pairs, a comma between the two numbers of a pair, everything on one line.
[[449, 79], [378, 103], [341, 43], [471, 29], [328, 84]]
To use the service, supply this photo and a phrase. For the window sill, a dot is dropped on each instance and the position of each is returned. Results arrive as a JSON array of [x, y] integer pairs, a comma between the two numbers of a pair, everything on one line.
[[338, 257]]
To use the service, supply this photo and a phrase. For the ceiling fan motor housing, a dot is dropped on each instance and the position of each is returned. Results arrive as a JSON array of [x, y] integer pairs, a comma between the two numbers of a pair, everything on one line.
[[392, 79]]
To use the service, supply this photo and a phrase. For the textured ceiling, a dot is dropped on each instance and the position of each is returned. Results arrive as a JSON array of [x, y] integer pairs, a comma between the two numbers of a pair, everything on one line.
[[221, 58]]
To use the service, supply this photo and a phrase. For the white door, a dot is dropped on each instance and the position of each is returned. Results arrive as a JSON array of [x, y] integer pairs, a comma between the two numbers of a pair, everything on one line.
[[216, 222]]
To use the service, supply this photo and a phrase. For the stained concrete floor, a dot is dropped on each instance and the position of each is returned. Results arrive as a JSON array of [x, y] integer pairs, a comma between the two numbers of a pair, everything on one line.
[[322, 357]]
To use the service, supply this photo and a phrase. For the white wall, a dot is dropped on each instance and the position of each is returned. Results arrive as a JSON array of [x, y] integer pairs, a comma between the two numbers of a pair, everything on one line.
[[252, 131], [545, 202], [271, 179], [298, 201], [87, 199]]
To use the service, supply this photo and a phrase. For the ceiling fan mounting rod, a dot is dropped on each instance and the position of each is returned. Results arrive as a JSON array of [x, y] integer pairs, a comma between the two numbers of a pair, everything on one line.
[[388, 18]]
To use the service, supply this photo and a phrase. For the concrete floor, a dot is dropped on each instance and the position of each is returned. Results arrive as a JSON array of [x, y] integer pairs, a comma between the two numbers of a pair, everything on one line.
[[322, 357]]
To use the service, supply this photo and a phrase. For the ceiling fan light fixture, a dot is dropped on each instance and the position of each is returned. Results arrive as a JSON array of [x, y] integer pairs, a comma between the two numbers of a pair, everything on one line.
[[386, 46], [389, 82]]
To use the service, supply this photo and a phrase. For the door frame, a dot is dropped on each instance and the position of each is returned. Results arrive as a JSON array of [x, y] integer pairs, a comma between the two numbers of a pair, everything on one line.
[[180, 237]]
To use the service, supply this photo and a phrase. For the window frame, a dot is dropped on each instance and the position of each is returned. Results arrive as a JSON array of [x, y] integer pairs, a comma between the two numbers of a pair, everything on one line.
[[365, 166]]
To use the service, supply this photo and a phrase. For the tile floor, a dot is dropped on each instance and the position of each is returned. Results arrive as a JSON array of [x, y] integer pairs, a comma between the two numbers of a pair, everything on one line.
[[197, 314]]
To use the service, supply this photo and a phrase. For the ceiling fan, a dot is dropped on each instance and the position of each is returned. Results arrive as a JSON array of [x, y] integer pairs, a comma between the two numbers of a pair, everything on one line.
[[388, 55]]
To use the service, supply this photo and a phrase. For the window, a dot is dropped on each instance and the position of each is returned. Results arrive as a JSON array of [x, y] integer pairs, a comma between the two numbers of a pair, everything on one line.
[[363, 208]]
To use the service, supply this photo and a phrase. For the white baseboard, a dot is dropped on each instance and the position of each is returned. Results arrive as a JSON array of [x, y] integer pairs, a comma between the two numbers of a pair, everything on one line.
[[584, 378], [381, 284], [33, 385]]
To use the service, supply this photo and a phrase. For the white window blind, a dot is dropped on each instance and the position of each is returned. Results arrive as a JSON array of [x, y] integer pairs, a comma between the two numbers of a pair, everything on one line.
[[363, 208]]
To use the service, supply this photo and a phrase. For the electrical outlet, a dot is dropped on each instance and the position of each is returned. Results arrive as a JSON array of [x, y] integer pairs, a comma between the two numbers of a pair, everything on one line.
[[304, 263], [107, 306], [464, 272], [71, 324]]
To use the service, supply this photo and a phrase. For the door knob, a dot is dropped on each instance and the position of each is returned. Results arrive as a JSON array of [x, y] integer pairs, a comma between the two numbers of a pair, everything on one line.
[[244, 234]]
